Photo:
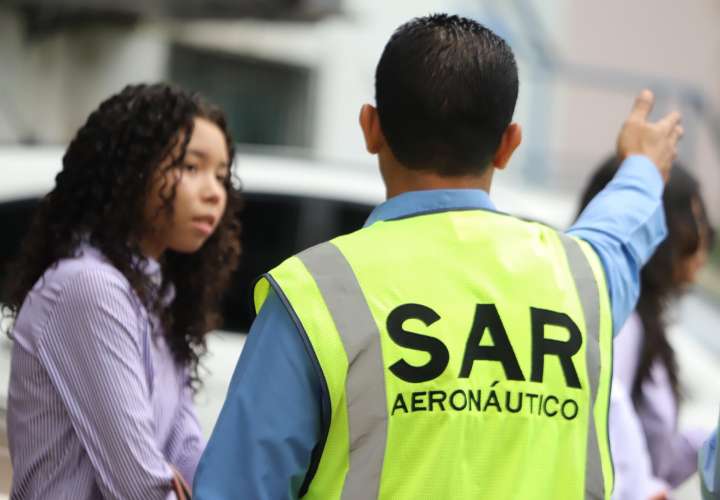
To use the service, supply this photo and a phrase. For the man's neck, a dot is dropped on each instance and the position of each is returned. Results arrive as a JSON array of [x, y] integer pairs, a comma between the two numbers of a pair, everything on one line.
[[400, 180]]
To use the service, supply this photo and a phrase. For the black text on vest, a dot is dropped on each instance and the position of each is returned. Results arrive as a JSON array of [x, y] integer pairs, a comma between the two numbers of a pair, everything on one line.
[[487, 319]]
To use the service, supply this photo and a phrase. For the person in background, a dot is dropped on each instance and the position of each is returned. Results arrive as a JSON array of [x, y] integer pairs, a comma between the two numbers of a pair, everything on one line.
[[118, 280], [408, 359], [651, 455], [709, 464]]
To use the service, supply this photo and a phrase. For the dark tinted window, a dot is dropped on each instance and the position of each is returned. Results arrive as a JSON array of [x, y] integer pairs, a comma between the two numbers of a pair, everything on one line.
[[15, 218], [274, 228], [266, 102]]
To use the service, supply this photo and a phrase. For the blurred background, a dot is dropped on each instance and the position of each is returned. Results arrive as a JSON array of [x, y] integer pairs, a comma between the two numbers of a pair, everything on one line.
[[292, 75]]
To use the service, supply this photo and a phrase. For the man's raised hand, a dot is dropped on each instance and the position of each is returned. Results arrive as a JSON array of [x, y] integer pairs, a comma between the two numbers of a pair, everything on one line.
[[658, 141]]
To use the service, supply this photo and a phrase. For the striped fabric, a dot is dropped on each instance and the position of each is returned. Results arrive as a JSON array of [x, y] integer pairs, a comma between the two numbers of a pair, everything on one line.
[[97, 407]]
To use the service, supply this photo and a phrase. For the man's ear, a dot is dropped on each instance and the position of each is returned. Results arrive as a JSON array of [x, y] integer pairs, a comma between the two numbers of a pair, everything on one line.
[[370, 125], [511, 139]]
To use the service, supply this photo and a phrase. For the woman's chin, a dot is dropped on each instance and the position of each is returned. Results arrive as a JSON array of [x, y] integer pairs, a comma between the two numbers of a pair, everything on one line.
[[188, 247]]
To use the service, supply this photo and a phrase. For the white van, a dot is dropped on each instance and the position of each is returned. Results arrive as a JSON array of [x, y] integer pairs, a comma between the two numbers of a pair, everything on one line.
[[292, 204]]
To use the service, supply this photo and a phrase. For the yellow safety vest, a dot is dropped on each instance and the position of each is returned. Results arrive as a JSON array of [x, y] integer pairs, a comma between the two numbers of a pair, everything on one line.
[[466, 354]]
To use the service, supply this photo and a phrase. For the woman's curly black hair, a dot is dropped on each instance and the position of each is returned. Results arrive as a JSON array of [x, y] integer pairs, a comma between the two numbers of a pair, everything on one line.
[[100, 196]]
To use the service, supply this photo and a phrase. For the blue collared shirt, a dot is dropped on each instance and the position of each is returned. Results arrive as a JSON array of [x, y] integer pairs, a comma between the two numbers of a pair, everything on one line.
[[262, 444]]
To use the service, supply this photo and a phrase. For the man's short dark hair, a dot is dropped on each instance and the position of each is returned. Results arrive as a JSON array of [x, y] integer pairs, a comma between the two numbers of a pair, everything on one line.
[[446, 88]]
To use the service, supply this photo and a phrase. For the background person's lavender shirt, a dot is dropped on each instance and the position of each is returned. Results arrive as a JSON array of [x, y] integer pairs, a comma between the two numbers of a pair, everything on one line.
[[671, 453], [97, 407]]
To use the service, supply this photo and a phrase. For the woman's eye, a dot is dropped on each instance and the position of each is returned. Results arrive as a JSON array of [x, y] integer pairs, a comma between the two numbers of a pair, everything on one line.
[[190, 168], [221, 178]]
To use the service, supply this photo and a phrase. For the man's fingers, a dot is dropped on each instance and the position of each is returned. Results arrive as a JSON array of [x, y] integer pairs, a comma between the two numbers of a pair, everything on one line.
[[670, 122], [643, 105], [675, 134], [679, 130]]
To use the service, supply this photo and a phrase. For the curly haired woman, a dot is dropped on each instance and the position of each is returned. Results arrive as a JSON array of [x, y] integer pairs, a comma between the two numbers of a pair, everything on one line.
[[118, 281]]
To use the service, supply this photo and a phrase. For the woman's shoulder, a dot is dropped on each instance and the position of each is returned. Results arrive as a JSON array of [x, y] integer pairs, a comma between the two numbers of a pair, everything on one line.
[[82, 281], [86, 273]]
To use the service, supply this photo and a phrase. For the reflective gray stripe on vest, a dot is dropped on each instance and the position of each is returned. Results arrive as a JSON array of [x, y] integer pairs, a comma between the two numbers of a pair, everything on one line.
[[365, 384], [589, 293]]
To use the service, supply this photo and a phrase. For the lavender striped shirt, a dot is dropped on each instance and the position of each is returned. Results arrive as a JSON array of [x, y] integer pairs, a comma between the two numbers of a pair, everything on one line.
[[97, 407]]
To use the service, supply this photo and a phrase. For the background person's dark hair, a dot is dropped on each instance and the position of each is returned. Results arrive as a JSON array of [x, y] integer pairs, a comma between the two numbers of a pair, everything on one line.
[[659, 284], [445, 89], [100, 195]]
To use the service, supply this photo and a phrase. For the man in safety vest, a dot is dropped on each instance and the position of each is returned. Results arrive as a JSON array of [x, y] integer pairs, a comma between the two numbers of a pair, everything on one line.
[[446, 350]]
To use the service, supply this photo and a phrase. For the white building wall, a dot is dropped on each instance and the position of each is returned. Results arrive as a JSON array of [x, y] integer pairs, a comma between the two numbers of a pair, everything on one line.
[[666, 40], [48, 85]]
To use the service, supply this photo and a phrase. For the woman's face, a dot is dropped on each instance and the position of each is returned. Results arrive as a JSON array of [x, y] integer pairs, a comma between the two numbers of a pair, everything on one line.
[[200, 195]]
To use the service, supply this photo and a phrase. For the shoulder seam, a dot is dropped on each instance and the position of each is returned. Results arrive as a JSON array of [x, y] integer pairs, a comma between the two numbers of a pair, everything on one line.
[[77, 276]]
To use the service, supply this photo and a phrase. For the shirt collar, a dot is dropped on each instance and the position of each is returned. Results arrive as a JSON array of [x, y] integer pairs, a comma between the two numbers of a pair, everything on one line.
[[149, 266], [436, 200]]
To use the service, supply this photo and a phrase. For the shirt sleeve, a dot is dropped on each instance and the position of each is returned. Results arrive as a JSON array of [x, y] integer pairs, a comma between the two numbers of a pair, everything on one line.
[[91, 350], [186, 444], [682, 458], [624, 224], [626, 353], [262, 443], [673, 453], [631, 459], [710, 467]]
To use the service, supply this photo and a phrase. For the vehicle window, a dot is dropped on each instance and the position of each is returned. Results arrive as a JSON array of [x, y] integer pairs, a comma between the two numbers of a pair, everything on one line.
[[266, 102], [15, 217], [269, 235], [274, 227]]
